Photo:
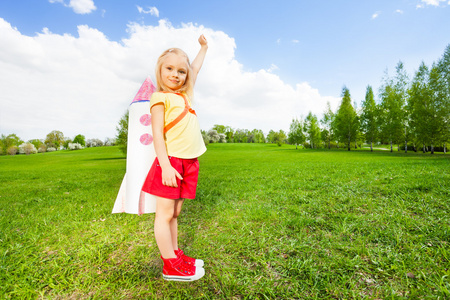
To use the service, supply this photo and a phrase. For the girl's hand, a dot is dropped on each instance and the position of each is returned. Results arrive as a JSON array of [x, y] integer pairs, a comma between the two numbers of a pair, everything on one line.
[[197, 63], [169, 177], [202, 40]]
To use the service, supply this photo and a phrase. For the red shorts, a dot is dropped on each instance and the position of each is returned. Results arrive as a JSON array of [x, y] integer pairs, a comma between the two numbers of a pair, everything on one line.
[[188, 169]]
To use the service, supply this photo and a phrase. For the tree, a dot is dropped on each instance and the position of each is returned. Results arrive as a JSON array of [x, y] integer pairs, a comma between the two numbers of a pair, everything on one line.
[[229, 134], [27, 148], [369, 117], [312, 130], [393, 96], [276, 137], [437, 108], [213, 136], [280, 137], [427, 106], [80, 139], [444, 72], [271, 136], [219, 128], [240, 136], [109, 142], [327, 120], [258, 136], [401, 88], [419, 98], [296, 135], [36, 142], [12, 150], [205, 137], [346, 121], [67, 141], [54, 139], [6, 142], [94, 143], [122, 133]]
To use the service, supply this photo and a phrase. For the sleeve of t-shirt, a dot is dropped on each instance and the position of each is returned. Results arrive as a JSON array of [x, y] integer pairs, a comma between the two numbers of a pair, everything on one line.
[[157, 98]]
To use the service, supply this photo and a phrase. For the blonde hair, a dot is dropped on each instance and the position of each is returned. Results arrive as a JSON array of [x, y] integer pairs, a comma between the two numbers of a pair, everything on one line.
[[187, 86]]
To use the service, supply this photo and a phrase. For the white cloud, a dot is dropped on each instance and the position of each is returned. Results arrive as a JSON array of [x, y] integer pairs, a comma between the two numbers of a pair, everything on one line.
[[432, 2], [376, 15], [151, 10], [83, 84], [78, 6], [82, 6], [295, 41], [399, 11], [272, 68]]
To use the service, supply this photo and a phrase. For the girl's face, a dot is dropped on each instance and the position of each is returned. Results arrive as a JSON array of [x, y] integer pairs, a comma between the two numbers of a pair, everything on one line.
[[174, 71]]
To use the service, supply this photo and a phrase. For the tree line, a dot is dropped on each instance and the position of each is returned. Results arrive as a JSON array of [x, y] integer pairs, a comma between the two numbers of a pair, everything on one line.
[[55, 140], [226, 134], [412, 113]]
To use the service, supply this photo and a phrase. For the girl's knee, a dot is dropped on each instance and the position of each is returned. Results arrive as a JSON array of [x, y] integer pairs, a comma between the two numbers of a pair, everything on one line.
[[177, 208], [163, 216]]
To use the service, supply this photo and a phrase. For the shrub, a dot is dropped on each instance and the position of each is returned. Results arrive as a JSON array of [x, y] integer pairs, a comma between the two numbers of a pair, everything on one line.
[[27, 148], [12, 150], [222, 138], [75, 146], [94, 143], [51, 149], [213, 136], [42, 148], [110, 142]]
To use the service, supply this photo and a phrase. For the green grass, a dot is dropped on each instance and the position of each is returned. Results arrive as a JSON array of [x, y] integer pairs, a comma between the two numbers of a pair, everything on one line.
[[270, 222]]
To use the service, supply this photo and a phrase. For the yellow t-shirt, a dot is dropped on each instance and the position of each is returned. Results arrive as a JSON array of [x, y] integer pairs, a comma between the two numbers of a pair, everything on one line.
[[184, 140]]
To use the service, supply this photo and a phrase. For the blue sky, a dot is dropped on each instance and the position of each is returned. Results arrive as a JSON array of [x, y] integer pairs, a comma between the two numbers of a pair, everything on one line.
[[268, 62]]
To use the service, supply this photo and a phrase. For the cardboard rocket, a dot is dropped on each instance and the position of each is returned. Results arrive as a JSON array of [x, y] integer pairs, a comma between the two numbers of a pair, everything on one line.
[[140, 156]]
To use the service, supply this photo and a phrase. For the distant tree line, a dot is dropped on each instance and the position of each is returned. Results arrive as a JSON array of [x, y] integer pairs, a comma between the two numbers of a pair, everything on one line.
[[55, 140], [226, 134], [414, 114]]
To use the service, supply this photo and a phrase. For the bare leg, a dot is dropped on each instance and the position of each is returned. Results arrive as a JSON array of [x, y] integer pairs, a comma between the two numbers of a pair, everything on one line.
[[163, 219], [174, 222]]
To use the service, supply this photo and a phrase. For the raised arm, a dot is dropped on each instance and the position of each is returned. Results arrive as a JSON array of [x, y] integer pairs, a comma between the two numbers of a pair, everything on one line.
[[197, 63]]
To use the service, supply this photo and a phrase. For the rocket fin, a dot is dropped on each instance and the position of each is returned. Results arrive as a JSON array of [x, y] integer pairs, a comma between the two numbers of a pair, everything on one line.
[[119, 205]]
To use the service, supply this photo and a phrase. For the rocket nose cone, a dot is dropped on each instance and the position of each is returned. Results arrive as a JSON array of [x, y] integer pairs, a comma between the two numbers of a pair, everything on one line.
[[146, 90]]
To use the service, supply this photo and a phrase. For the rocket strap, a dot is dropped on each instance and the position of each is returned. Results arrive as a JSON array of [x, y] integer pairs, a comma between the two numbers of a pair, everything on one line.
[[187, 109]]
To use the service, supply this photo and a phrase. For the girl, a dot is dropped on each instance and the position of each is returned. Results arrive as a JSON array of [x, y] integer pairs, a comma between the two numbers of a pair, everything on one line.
[[178, 142]]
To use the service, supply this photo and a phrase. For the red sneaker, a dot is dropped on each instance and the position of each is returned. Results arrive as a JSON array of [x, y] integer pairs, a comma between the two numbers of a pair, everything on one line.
[[177, 270], [189, 260]]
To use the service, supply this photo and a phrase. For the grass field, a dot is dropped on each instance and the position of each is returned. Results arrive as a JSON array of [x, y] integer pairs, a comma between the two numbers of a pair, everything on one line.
[[270, 223]]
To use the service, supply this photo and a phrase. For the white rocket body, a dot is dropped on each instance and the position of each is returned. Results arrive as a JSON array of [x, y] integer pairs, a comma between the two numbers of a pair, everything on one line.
[[140, 156]]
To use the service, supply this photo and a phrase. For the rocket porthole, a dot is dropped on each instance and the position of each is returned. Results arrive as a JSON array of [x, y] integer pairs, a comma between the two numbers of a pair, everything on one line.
[[146, 120], [146, 139]]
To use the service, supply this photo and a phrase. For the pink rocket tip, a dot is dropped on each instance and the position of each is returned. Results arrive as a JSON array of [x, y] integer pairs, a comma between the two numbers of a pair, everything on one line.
[[146, 90]]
